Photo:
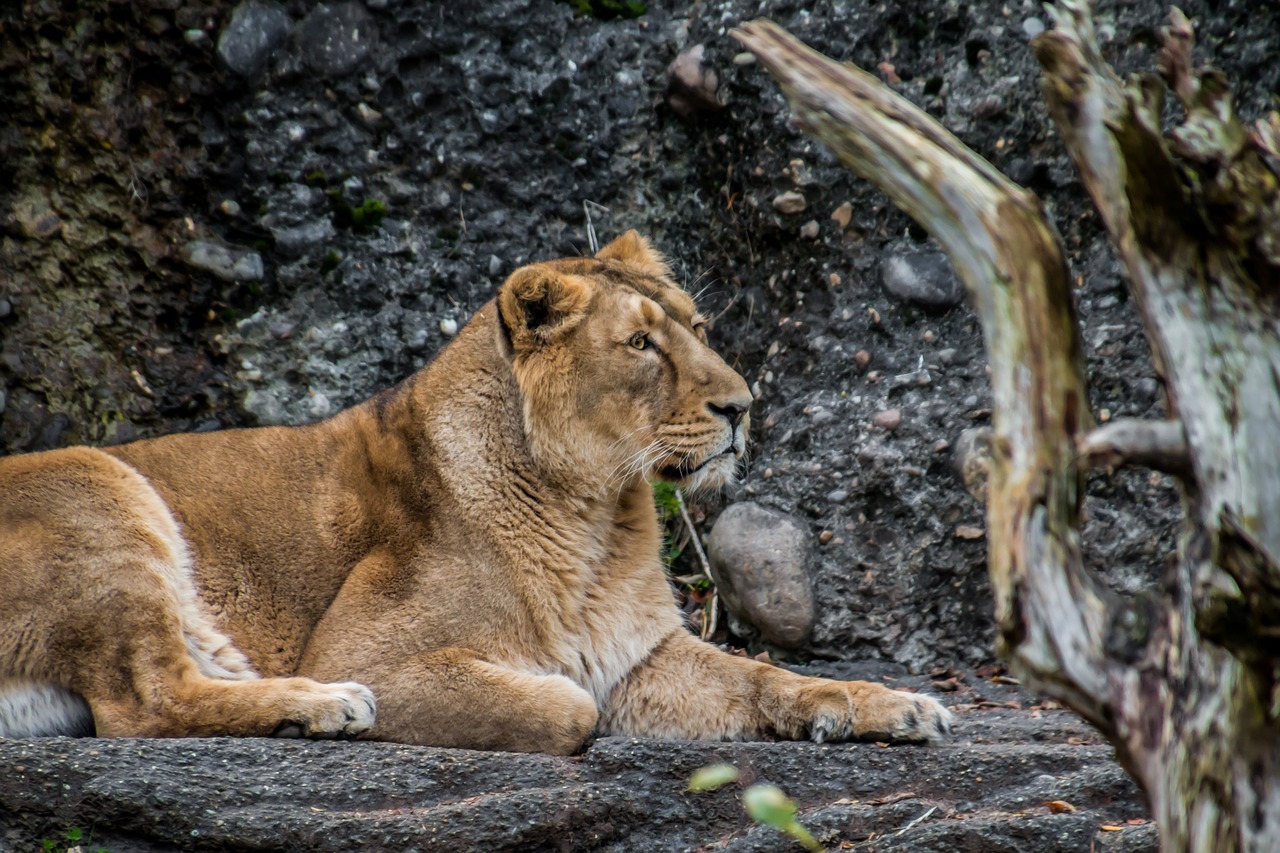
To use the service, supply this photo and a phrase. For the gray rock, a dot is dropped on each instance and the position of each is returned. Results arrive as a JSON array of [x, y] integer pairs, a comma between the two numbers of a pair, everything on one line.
[[759, 559], [335, 38], [229, 263], [256, 29], [298, 239], [620, 794], [926, 279], [37, 218]]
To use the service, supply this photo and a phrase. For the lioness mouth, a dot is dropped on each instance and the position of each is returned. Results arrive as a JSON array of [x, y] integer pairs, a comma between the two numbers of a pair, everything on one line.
[[687, 468]]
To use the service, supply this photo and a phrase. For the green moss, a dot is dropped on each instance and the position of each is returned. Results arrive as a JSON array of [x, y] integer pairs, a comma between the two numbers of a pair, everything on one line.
[[608, 10], [361, 217], [330, 261], [368, 214], [316, 179]]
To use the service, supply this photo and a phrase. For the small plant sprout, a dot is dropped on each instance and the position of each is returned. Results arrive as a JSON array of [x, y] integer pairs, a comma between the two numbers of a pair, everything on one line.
[[711, 777], [768, 805]]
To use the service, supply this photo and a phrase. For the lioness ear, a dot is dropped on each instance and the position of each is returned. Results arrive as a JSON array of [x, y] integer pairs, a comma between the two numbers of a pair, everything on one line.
[[537, 304], [636, 251]]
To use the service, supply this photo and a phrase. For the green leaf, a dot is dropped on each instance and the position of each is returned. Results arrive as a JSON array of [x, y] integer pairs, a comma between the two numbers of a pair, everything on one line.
[[768, 805], [712, 776]]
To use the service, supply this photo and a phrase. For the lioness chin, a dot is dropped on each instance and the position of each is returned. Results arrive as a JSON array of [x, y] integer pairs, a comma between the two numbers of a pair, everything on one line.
[[477, 547]]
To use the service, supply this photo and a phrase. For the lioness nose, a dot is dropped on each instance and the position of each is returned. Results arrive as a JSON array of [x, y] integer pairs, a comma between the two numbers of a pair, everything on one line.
[[730, 411]]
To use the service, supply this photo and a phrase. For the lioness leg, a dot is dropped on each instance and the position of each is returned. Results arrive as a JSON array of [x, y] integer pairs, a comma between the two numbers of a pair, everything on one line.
[[690, 689], [451, 697], [98, 601]]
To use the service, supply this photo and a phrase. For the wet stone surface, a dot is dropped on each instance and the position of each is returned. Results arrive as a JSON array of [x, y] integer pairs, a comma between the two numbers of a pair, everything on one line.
[[991, 788]]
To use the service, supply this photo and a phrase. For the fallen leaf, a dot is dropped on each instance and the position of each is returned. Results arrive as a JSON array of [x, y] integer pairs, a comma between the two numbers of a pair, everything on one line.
[[1060, 806], [892, 798], [1106, 827], [1137, 821]]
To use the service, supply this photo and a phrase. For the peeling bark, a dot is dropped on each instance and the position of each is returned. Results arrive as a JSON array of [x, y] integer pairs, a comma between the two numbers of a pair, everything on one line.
[[1183, 683]]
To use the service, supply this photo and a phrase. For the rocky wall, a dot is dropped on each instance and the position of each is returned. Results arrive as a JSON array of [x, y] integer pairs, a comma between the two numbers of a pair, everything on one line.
[[218, 215]]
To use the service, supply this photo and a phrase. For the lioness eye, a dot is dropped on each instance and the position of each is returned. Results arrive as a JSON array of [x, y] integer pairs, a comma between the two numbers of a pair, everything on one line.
[[639, 340]]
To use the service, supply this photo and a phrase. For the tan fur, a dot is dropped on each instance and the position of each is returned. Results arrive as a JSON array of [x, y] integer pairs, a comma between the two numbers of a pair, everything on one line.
[[478, 546]]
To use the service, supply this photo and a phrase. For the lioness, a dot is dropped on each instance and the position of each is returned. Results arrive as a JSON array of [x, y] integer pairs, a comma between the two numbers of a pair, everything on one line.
[[477, 547]]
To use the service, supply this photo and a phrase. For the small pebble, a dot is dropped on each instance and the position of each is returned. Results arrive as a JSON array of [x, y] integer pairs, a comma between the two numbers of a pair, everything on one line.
[[968, 531], [843, 214], [888, 419], [825, 536], [449, 327], [809, 230], [789, 202], [862, 358]]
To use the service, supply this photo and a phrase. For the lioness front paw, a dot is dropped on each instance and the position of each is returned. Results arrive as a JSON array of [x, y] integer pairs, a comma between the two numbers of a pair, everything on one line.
[[872, 712], [330, 710]]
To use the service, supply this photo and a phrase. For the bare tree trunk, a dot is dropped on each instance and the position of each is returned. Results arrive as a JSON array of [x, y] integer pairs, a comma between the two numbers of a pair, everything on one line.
[[1184, 680]]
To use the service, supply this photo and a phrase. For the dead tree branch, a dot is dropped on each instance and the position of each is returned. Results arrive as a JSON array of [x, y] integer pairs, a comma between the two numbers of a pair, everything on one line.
[[1052, 615], [1148, 444], [1185, 684]]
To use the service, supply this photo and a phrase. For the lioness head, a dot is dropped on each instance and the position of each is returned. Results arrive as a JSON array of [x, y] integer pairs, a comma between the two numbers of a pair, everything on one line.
[[615, 373]]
